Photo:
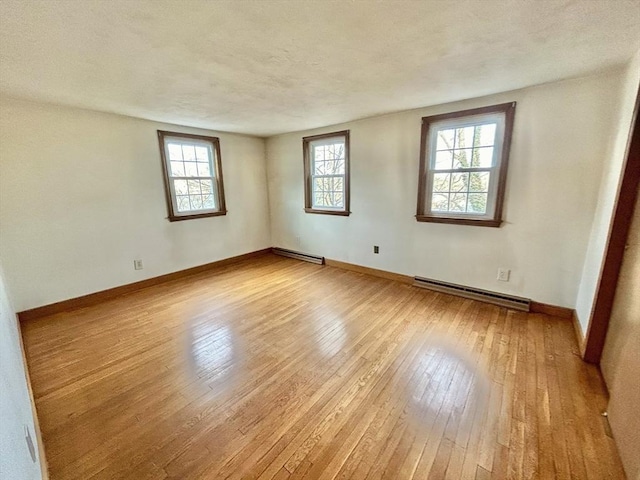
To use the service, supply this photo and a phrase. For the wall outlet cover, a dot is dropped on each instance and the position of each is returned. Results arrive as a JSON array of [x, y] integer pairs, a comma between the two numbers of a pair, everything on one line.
[[503, 274]]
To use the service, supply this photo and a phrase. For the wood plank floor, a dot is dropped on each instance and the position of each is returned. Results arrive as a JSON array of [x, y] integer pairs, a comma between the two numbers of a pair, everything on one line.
[[275, 368]]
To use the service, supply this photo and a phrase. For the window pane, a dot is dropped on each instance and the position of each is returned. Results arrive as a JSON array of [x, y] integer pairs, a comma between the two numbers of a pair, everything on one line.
[[485, 135], [183, 203], [175, 152], [443, 160], [194, 186], [464, 137], [180, 187], [177, 169], [206, 186], [440, 202], [459, 182], [482, 157], [445, 139], [189, 153], [441, 182], [479, 182], [477, 203], [202, 154], [334, 167], [458, 202], [203, 170], [196, 202], [339, 199], [462, 158], [318, 153], [208, 201], [319, 168], [335, 151], [190, 169]]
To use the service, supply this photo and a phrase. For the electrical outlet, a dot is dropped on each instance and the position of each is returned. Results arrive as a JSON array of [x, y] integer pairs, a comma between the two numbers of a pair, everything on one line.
[[376, 249], [137, 264], [503, 274]]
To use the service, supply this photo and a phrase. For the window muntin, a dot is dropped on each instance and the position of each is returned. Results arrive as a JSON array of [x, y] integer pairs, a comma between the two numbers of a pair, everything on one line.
[[327, 173], [462, 177], [193, 175]]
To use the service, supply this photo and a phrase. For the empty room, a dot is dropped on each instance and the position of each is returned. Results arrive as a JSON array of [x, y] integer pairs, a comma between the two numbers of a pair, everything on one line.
[[319, 239]]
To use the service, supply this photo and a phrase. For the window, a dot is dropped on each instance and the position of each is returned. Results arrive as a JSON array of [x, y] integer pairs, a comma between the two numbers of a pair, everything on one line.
[[192, 175], [463, 166], [326, 171]]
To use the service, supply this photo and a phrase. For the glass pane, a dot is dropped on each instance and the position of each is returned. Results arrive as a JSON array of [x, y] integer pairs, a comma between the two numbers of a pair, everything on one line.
[[194, 186], [462, 158], [208, 201], [477, 203], [190, 169], [319, 167], [339, 199], [177, 169], [464, 137], [485, 135], [338, 184], [441, 182], [318, 200], [335, 151], [440, 202], [458, 202], [459, 182], [183, 203], [334, 167], [445, 139], [180, 187], [196, 202], [203, 170], [479, 182], [175, 152], [189, 153], [482, 157], [318, 153], [443, 160], [202, 154], [206, 186]]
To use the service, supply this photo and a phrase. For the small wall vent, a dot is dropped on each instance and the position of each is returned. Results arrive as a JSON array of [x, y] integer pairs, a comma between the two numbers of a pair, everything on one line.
[[305, 257], [509, 301]]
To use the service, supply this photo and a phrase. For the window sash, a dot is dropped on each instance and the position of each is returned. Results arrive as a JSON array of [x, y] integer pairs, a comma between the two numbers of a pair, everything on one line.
[[314, 191]]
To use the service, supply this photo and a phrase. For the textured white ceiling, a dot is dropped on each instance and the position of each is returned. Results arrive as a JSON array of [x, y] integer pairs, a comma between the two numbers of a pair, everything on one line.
[[267, 67]]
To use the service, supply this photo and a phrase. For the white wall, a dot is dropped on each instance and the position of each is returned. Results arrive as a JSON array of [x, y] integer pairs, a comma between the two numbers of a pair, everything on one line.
[[560, 141], [611, 176], [81, 196], [15, 404]]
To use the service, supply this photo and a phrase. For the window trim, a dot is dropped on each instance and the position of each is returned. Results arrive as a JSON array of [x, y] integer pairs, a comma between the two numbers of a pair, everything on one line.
[[308, 204], [218, 177], [508, 109]]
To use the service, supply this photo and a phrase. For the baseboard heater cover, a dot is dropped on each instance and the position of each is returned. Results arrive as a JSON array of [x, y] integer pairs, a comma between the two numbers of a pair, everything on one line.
[[305, 257], [509, 301]]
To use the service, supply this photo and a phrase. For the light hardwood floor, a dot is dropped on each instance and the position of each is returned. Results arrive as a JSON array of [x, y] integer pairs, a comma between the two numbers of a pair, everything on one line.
[[275, 368]]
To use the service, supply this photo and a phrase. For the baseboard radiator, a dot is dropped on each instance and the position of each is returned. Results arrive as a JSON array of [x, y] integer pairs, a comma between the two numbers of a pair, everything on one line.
[[305, 257], [509, 301]]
